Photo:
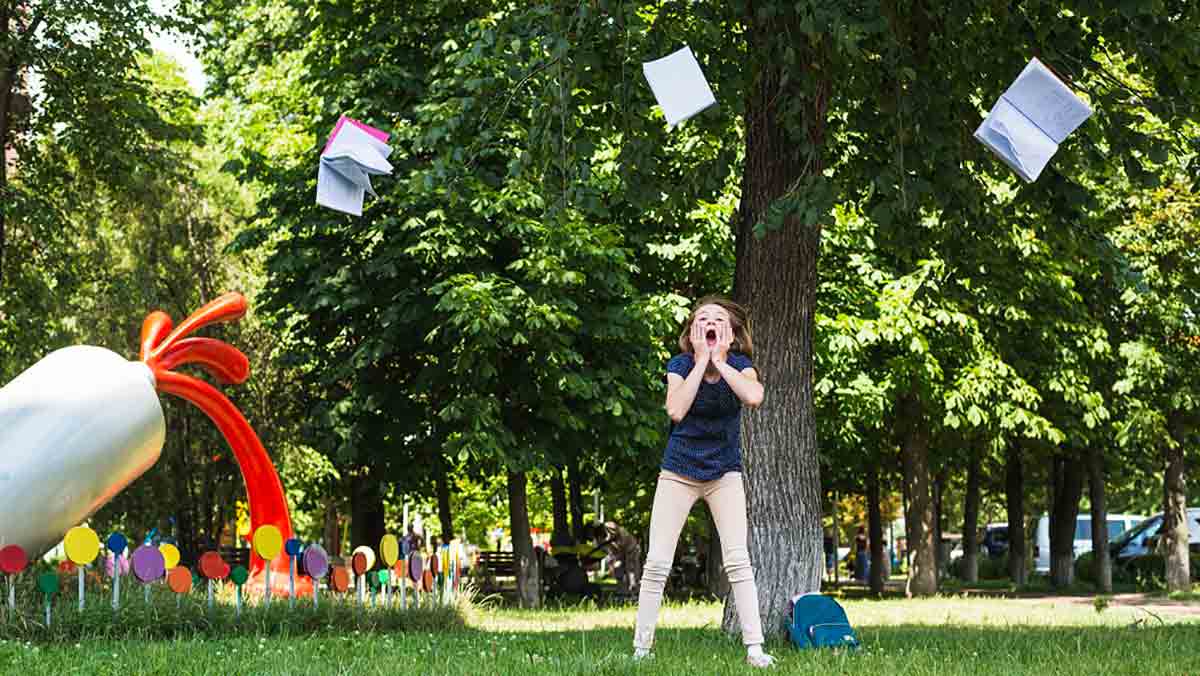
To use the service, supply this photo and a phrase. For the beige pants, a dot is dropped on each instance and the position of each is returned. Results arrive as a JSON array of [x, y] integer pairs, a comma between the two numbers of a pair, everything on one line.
[[673, 499]]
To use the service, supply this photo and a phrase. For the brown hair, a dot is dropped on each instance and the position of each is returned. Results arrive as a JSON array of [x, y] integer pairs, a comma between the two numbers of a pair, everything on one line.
[[739, 320]]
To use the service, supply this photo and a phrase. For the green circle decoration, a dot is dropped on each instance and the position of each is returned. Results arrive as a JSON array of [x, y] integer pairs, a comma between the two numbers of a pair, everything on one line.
[[239, 575], [47, 583]]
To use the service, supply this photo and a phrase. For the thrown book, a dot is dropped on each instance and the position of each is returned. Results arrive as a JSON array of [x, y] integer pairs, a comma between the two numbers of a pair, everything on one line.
[[354, 153], [1031, 119], [678, 85]]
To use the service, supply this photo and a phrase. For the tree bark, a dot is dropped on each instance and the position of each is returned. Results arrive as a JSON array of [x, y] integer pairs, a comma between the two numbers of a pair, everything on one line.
[[574, 484], [1068, 488], [939, 550], [1101, 560], [558, 506], [331, 530], [776, 277], [914, 456], [1014, 486], [875, 531], [8, 84], [529, 583], [970, 534], [1175, 527], [442, 485], [367, 525]]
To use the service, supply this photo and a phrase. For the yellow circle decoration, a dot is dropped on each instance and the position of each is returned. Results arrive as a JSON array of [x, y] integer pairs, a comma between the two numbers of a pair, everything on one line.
[[268, 541], [389, 549], [82, 545], [170, 555]]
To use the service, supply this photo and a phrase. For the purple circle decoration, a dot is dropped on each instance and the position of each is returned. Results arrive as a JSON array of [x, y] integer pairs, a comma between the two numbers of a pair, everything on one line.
[[415, 567], [148, 564], [315, 561]]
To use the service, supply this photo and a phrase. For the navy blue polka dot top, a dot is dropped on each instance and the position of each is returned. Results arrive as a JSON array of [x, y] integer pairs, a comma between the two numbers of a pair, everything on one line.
[[707, 443]]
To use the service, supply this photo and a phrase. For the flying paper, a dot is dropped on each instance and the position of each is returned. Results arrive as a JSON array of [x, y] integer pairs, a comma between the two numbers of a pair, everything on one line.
[[678, 85], [354, 153], [1031, 119]]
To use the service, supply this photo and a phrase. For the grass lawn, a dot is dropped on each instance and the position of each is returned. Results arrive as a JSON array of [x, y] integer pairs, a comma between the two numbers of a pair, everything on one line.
[[934, 636]]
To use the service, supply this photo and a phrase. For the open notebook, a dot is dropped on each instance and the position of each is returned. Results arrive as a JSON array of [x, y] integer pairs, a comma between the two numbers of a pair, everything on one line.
[[1031, 119], [354, 153]]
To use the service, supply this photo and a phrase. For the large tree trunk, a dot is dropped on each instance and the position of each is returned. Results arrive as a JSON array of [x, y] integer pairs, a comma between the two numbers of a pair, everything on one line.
[[1068, 488], [776, 277], [445, 515], [837, 542], [970, 563], [558, 506], [875, 531], [574, 484], [529, 583], [1014, 487], [1101, 561], [367, 526], [1175, 527], [331, 531], [8, 84], [914, 457], [715, 577], [939, 549]]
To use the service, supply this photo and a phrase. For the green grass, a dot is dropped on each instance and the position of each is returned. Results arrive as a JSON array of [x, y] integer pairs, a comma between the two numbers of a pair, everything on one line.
[[939, 636]]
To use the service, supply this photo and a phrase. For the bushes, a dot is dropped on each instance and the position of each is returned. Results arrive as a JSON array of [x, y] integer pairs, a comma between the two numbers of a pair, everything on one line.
[[989, 568]]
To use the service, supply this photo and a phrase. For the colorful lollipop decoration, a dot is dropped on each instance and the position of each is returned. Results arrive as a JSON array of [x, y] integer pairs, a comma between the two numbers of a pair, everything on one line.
[[268, 541], [116, 544], [213, 567], [12, 561], [315, 564], [47, 584], [239, 575], [340, 580], [293, 547], [389, 552], [82, 546], [415, 569], [148, 565], [179, 580], [362, 561]]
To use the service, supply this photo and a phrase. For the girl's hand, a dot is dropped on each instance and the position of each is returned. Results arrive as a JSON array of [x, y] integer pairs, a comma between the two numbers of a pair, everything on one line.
[[699, 344], [724, 343]]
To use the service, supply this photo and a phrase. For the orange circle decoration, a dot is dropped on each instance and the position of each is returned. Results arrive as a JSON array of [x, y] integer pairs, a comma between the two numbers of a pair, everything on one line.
[[213, 567], [428, 580], [179, 579], [359, 562], [340, 579]]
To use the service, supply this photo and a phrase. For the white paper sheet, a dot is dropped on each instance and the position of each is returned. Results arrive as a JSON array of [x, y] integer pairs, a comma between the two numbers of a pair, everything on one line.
[[678, 85]]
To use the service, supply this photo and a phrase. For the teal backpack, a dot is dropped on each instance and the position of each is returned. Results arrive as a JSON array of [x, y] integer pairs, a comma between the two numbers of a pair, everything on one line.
[[818, 621]]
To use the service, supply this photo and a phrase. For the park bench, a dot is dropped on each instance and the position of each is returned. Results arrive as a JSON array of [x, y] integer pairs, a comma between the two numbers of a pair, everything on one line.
[[492, 565]]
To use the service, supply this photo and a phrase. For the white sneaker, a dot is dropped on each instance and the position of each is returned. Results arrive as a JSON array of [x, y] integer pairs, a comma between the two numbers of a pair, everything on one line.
[[760, 661]]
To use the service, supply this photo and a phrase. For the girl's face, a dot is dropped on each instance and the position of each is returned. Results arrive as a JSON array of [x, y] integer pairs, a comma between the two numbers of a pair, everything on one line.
[[711, 319]]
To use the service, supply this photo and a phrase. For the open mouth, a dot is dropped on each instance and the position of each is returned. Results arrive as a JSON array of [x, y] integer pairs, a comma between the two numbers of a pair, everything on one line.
[[710, 337]]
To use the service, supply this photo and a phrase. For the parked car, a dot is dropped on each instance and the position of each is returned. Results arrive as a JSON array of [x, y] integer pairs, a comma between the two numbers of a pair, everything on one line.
[[994, 543], [1139, 540], [1117, 524]]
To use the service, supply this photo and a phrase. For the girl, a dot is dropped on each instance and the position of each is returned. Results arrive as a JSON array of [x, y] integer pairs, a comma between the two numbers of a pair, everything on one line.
[[707, 385]]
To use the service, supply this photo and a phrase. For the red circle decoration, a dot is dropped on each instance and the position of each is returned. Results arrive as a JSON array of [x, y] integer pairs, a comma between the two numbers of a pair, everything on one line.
[[359, 562], [13, 560], [428, 580], [213, 567]]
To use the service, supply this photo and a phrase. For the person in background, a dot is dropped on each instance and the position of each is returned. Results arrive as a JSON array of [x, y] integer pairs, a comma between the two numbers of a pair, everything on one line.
[[862, 557], [830, 554], [624, 552]]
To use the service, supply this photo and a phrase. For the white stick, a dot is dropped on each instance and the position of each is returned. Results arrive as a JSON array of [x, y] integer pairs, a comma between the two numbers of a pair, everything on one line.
[[316, 594], [147, 588], [267, 598], [210, 594], [116, 603], [239, 601], [12, 594], [360, 581], [291, 582], [80, 569], [403, 594], [47, 611]]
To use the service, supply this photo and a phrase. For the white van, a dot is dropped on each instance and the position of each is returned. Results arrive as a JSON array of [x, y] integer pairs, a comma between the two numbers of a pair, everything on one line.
[[1117, 524]]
